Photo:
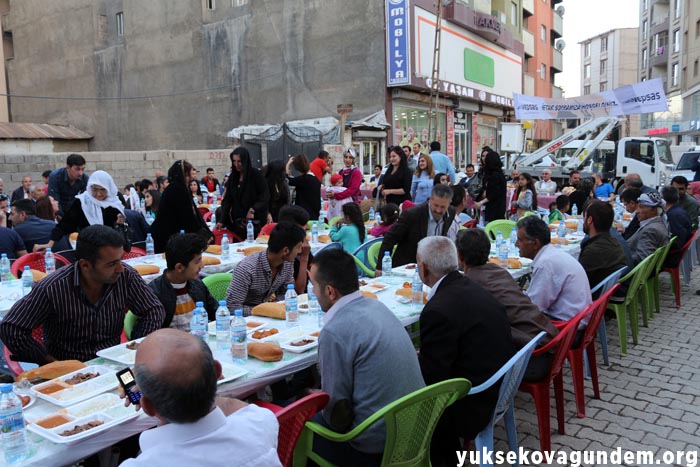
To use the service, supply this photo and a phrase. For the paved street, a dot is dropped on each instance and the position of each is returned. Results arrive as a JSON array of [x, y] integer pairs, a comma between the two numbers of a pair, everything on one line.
[[650, 399]]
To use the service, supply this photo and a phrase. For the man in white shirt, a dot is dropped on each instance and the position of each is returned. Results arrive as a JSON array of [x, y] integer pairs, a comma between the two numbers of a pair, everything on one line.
[[413, 158], [176, 374], [546, 185], [559, 285]]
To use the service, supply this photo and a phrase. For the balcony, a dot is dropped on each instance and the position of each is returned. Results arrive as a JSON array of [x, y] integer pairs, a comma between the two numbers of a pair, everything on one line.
[[557, 61], [528, 84], [528, 43], [659, 57], [528, 7], [557, 92], [5, 22], [557, 25]]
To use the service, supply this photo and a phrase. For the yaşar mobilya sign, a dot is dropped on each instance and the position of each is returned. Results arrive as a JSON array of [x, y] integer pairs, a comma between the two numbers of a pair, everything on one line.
[[645, 97]]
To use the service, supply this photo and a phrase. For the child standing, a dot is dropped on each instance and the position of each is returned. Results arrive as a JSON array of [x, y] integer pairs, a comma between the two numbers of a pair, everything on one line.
[[335, 206]]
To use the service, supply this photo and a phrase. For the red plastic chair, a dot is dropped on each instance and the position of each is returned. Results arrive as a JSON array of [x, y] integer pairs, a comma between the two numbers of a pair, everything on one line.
[[35, 261], [218, 235], [407, 205], [207, 216], [292, 420], [470, 224], [203, 211], [267, 228], [575, 355], [134, 253], [539, 390], [676, 271], [13, 365]]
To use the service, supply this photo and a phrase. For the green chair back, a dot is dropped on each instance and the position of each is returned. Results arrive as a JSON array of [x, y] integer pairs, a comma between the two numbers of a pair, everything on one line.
[[373, 253], [218, 284], [410, 422], [362, 268], [129, 322], [652, 285], [322, 226], [500, 225], [334, 220]]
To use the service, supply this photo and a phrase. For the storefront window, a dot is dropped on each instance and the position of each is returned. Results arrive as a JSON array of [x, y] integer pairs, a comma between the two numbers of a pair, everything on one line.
[[411, 126], [486, 132]]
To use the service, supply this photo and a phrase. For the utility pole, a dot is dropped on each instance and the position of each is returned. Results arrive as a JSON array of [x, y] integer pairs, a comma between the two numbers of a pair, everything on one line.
[[435, 77]]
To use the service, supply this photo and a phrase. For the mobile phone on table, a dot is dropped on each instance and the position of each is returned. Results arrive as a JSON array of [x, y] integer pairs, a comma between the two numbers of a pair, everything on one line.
[[127, 381]]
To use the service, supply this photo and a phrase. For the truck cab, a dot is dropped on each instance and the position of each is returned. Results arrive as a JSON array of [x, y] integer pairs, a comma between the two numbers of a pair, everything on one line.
[[649, 157]]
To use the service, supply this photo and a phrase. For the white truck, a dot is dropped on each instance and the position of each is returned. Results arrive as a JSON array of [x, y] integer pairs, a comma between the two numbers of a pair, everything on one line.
[[587, 149]]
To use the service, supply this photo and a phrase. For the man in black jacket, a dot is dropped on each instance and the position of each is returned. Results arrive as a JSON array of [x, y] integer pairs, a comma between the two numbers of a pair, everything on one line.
[[433, 218], [179, 288]]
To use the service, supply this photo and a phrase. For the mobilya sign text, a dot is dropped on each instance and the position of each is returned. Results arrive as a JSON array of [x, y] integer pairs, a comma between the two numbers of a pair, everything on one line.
[[397, 40]]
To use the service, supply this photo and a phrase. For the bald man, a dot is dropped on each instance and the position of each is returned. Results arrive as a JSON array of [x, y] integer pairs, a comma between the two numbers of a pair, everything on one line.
[[177, 374]]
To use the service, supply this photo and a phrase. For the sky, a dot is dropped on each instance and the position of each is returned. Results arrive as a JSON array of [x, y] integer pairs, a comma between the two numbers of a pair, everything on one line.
[[588, 18]]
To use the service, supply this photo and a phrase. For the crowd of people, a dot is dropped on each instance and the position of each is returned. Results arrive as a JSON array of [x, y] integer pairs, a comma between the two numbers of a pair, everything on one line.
[[80, 307]]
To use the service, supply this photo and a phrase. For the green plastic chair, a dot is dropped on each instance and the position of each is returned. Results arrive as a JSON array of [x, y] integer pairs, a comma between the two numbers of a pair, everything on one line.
[[332, 222], [529, 213], [500, 225], [410, 422], [373, 254], [364, 269], [218, 284], [631, 303], [323, 226], [652, 285], [647, 301], [129, 322]]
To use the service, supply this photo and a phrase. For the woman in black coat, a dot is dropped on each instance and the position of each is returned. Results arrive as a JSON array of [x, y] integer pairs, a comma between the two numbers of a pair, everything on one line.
[[246, 198], [494, 194], [177, 210], [396, 183], [307, 187]]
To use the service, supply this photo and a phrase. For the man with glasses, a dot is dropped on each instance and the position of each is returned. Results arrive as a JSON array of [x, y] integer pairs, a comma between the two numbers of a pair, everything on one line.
[[69, 181], [686, 201], [546, 185]]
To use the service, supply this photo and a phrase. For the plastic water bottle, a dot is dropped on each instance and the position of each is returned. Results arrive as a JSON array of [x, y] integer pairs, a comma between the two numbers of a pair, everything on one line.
[[503, 254], [371, 213], [225, 249], [513, 236], [142, 205], [198, 327], [386, 264], [579, 227], [49, 261], [321, 215], [196, 201], [213, 219], [377, 218], [223, 326], [314, 309], [499, 240], [290, 306], [561, 231], [513, 251], [5, 268], [182, 231], [12, 428], [250, 233], [239, 346], [314, 232], [27, 281], [150, 249], [574, 210], [417, 290]]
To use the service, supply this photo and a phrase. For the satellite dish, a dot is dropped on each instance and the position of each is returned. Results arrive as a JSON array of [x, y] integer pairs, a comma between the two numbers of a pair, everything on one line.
[[560, 10], [560, 44]]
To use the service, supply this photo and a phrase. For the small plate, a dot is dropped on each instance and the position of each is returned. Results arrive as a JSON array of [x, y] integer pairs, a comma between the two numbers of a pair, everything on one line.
[[284, 334], [405, 270], [120, 353], [253, 319], [525, 261], [229, 372], [287, 345], [374, 287]]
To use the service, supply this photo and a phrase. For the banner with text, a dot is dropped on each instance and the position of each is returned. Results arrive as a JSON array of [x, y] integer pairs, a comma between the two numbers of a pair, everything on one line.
[[398, 66], [645, 97]]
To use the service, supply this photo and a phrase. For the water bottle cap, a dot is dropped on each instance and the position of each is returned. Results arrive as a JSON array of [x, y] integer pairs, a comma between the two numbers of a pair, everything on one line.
[[26, 268], [222, 302], [290, 286], [48, 249], [238, 313], [199, 304], [386, 253], [6, 388], [148, 235], [4, 255]]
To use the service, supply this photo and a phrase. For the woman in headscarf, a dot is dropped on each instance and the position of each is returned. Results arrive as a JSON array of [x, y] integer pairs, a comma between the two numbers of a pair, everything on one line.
[[246, 197], [352, 178], [97, 205], [494, 193], [177, 210]]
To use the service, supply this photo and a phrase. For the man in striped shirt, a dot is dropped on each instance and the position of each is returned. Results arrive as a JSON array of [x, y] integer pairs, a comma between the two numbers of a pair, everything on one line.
[[81, 306], [263, 276]]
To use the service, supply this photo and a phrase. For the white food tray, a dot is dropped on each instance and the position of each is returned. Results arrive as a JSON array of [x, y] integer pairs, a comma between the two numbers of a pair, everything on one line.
[[287, 345], [72, 394], [120, 353]]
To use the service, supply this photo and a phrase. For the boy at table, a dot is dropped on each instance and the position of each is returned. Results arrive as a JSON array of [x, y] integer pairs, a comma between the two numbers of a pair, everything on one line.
[[81, 306], [179, 288]]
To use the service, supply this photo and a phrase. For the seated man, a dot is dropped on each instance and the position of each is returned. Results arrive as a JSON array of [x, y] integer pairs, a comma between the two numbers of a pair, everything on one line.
[[679, 224], [653, 232], [546, 185], [297, 215], [434, 217], [687, 202], [601, 253], [460, 201], [459, 339], [11, 243], [81, 306], [32, 229], [365, 357], [176, 375], [526, 320], [179, 288], [263, 276], [559, 286], [629, 199]]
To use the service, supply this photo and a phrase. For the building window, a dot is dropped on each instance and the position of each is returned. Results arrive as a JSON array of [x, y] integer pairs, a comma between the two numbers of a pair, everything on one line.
[[543, 72], [697, 28], [513, 13], [645, 5], [587, 71], [645, 57], [543, 33], [239, 2], [603, 67], [677, 10], [645, 29], [211, 4], [674, 74], [695, 68], [676, 40], [586, 90], [604, 44], [120, 24], [603, 87], [587, 49]]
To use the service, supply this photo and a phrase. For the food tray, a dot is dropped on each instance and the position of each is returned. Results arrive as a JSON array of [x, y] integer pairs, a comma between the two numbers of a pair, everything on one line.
[[252, 319], [405, 270], [229, 371], [107, 408], [287, 345], [374, 287], [120, 353], [73, 394], [284, 334]]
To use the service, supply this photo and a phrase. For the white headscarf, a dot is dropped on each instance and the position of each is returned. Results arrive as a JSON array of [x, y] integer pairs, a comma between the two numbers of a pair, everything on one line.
[[92, 208]]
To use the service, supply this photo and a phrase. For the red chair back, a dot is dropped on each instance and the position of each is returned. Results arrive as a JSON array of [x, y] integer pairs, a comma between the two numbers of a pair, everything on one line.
[[35, 261], [134, 253], [267, 228], [203, 211], [597, 313], [218, 235], [292, 420], [13, 365], [207, 216], [562, 342], [470, 224], [407, 204]]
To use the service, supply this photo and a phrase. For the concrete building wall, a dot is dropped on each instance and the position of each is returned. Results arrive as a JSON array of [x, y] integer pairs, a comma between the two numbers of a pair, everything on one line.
[[182, 76]]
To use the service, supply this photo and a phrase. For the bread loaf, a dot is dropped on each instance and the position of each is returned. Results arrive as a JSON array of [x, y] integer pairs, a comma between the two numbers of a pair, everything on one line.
[[514, 263], [323, 238], [369, 295], [214, 249], [408, 293], [52, 370], [210, 260], [37, 275], [265, 351], [146, 269], [270, 309], [263, 239], [251, 250]]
